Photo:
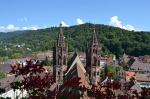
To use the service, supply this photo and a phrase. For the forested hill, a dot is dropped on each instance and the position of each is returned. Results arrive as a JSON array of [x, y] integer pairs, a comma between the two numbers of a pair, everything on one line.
[[4, 35], [114, 40]]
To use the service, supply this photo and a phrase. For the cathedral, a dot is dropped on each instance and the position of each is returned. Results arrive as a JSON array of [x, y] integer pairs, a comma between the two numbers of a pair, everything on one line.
[[64, 70]]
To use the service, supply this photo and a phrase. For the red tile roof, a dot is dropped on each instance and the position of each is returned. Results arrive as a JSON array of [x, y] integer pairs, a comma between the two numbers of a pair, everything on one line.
[[129, 75]]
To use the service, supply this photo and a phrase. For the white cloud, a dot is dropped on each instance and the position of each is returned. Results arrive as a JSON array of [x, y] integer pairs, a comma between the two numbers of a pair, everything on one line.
[[115, 22], [79, 21], [34, 27], [11, 27], [23, 19], [8, 28], [45, 27], [64, 24], [25, 28], [1, 28]]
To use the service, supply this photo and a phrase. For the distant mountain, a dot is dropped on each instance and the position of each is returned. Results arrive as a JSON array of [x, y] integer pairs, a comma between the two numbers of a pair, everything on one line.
[[4, 35], [114, 40]]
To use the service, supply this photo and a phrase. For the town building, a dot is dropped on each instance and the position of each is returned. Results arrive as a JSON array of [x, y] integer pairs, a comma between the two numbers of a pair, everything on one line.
[[135, 64]]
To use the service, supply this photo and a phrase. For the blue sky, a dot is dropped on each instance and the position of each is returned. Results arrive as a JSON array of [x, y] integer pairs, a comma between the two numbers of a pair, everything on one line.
[[36, 14]]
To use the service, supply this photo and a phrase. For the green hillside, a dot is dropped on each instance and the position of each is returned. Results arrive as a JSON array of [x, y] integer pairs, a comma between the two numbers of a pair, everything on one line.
[[114, 40], [10, 34]]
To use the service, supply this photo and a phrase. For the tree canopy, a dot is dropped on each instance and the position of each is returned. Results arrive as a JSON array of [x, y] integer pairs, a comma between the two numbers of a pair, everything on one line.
[[2, 75], [38, 86], [108, 70], [47, 62], [114, 40], [118, 68]]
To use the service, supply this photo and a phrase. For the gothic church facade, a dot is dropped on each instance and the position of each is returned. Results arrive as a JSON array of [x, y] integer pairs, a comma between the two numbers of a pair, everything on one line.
[[61, 68]]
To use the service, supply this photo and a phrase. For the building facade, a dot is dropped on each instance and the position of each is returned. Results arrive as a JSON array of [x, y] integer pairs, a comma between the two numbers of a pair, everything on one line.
[[60, 63], [60, 56], [93, 55]]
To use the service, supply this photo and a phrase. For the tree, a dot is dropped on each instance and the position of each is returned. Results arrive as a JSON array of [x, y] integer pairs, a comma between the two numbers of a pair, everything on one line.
[[107, 71], [69, 57], [2, 75], [118, 68], [102, 75], [16, 55], [47, 62], [1, 59], [115, 40], [36, 85]]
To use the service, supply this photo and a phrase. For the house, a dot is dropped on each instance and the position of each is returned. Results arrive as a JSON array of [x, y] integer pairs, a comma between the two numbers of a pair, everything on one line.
[[9, 92], [143, 80], [145, 59], [135, 64], [125, 75]]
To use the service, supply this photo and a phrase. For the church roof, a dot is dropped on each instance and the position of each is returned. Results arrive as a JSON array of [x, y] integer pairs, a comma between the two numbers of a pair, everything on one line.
[[75, 72], [75, 59]]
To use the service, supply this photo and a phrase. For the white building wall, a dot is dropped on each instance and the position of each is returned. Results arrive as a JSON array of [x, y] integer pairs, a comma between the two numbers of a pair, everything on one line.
[[13, 95]]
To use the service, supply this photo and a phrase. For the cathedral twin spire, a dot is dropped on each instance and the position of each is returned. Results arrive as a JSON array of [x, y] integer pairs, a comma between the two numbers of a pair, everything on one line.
[[61, 42], [60, 55]]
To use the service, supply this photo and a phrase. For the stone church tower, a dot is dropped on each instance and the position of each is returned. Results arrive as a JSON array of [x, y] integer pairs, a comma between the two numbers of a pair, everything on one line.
[[93, 54], [60, 55]]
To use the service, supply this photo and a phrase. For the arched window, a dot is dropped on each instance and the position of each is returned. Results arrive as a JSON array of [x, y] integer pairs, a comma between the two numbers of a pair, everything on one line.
[[94, 73], [97, 73], [58, 73]]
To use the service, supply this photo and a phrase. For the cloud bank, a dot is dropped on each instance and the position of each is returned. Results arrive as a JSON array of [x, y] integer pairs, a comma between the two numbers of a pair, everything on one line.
[[34, 27], [11, 27], [115, 22], [79, 21], [64, 24]]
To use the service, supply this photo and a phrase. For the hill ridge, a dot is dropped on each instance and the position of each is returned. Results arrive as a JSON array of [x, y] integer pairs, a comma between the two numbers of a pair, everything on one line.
[[115, 40]]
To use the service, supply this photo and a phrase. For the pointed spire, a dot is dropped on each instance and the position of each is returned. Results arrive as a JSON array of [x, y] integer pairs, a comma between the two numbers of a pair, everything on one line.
[[61, 28], [94, 28], [60, 41], [94, 38]]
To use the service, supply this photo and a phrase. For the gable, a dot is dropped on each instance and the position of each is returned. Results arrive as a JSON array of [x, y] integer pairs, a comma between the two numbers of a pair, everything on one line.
[[76, 60]]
